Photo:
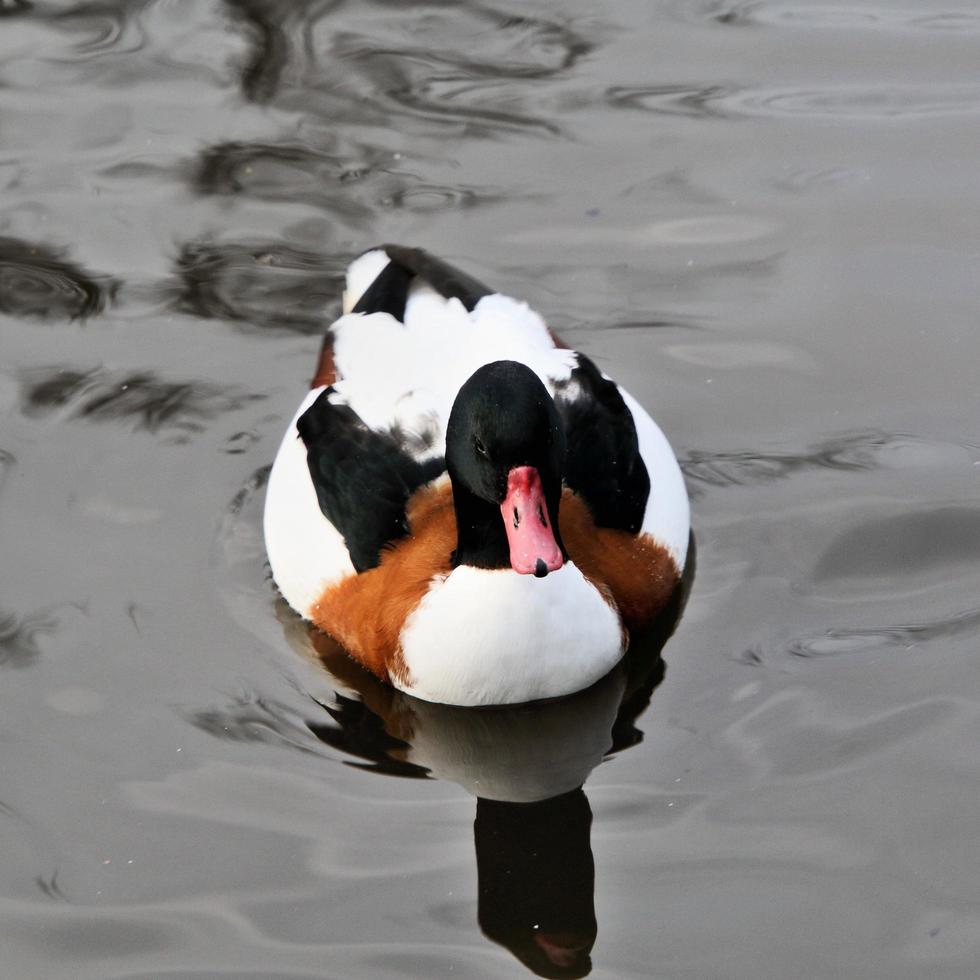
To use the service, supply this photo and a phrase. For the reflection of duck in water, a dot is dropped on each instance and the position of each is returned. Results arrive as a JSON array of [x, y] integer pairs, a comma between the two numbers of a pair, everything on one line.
[[536, 881], [478, 515], [526, 765]]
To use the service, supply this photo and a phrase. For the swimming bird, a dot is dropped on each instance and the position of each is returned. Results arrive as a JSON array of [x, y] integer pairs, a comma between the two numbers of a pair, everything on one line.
[[475, 512]]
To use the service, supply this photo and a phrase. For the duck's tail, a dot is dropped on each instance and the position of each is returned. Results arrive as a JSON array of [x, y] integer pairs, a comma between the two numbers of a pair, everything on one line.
[[361, 273], [379, 280]]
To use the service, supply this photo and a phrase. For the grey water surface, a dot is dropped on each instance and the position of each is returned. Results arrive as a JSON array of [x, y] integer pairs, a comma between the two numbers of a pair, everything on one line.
[[762, 217]]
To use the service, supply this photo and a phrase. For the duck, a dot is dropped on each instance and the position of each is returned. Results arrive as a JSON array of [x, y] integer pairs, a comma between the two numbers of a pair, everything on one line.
[[473, 510]]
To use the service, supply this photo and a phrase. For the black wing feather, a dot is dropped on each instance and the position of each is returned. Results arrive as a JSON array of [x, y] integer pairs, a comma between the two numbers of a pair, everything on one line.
[[363, 478], [603, 464], [441, 276], [388, 293]]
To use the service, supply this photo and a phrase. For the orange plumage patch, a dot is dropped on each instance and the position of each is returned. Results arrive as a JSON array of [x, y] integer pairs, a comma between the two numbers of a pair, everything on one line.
[[638, 573], [366, 612], [326, 370]]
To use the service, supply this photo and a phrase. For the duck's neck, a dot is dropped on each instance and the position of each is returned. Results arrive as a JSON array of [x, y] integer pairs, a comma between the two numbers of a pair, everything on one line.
[[481, 538]]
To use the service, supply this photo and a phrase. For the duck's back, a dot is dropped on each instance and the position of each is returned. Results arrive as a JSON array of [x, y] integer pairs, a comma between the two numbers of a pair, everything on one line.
[[403, 349]]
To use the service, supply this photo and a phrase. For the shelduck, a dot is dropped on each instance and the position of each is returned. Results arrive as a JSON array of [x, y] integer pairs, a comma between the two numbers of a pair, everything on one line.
[[475, 512]]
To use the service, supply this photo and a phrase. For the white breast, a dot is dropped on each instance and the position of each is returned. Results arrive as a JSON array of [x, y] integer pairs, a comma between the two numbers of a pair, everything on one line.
[[483, 637]]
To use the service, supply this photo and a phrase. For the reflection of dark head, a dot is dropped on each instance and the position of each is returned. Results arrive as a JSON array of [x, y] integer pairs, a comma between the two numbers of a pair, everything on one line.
[[536, 881]]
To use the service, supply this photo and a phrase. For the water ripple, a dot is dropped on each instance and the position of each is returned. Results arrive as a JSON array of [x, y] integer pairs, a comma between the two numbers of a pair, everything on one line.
[[871, 102], [288, 172], [808, 179], [474, 107], [151, 403], [672, 100], [349, 185], [839, 16], [857, 451], [470, 67], [108, 25], [429, 198], [97, 27], [863, 639], [823, 741], [256, 720], [844, 641], [477, 40], [263, 284], [838, 102], [37, 281]]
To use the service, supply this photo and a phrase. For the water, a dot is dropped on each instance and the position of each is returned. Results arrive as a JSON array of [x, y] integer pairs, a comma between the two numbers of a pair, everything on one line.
[[761, 216]]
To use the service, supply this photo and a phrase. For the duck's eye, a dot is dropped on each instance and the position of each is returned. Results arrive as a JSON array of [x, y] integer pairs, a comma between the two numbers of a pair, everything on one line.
[[480, 448]]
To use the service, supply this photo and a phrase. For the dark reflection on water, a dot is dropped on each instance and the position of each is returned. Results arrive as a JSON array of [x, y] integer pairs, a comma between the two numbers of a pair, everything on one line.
[[259, 284], [10, 8], [269, 44], [37, 281], [18, 637], [148, 401], [361, 734], [536, 879]]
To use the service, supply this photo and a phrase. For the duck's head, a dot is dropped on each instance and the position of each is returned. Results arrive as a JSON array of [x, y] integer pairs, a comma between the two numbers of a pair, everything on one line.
[[505, 451]]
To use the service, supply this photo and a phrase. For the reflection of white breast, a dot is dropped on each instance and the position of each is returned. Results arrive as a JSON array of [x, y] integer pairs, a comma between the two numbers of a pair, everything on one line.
[[484, 636], [520, 754]]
